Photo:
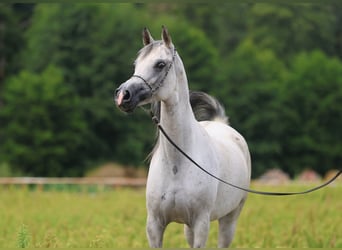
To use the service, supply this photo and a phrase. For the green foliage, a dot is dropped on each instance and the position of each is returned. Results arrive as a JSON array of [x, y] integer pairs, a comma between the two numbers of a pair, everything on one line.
[[7, 171], [23, 237], [94, 46], [44, 127], [10, 41], [252, 82], [293, 27], [224, 25], [276, 68], [310, 98], [284, 28]]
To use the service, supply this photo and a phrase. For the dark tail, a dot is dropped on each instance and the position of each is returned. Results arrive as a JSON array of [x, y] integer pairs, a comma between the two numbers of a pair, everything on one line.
[[207, 108], [204, 106]]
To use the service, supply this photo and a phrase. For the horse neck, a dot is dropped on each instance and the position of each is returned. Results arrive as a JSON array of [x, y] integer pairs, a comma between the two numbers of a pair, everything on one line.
[[176, 115]]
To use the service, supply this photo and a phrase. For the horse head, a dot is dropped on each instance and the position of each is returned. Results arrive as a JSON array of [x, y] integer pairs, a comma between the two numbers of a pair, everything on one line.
[[152, 79]]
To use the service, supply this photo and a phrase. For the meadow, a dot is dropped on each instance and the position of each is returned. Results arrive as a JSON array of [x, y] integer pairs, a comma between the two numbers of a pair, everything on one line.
[[115, 218]]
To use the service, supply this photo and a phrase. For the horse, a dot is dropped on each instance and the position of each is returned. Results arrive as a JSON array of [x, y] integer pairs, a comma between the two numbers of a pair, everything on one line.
[[177, 191]]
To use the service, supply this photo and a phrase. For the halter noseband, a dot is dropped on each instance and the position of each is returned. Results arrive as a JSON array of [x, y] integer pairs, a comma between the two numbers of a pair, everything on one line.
[[153, 90]]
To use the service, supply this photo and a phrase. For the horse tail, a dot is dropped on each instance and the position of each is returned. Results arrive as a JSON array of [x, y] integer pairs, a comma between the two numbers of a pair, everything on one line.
[[207, 108]]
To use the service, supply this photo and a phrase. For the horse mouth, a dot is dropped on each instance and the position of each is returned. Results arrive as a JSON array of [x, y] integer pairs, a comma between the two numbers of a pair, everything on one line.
[[126, 109]]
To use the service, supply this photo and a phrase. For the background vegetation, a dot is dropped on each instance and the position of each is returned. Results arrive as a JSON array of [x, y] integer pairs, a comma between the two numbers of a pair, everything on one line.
[[276, 67]]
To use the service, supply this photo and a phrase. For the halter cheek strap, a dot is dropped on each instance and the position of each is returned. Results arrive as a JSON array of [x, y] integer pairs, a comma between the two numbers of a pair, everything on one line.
[[157, 86], [149, 85]]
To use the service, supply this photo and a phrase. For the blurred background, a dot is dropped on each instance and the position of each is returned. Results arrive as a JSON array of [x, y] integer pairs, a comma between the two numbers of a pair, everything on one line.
[[276, 68]]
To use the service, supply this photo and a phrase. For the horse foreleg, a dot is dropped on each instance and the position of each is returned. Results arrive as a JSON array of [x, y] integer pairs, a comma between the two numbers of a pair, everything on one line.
[[189, 235], [155, 230], [201, 231]]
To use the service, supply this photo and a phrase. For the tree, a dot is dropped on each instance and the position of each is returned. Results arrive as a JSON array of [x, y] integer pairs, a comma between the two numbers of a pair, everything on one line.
[[290, 28], [249, 93], [310, 106], [11, 39], [225, 25], [285, 28], [95, 47], [255, 57], [41, 127]]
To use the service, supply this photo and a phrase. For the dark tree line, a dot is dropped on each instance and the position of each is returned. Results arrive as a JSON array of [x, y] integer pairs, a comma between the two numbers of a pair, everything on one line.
[[276, 68]]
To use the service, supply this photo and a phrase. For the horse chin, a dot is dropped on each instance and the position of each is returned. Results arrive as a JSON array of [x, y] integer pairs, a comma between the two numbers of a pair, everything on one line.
[[127, 109]]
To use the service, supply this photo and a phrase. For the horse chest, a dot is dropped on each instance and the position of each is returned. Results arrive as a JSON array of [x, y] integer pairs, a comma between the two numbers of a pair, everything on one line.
[[175, 194], [174, 204]]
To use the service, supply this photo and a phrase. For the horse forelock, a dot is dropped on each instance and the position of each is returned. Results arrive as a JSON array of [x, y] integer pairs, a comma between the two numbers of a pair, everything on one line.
[[146, 50]]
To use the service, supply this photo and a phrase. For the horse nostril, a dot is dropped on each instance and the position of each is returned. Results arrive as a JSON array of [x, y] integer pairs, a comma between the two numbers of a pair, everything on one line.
[[127, 95]]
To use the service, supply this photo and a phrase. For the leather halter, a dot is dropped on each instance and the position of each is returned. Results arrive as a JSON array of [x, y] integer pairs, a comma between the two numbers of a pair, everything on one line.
[[154, 87]]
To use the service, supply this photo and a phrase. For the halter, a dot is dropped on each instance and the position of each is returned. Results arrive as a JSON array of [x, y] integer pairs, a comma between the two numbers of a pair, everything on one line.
[[150, 86]]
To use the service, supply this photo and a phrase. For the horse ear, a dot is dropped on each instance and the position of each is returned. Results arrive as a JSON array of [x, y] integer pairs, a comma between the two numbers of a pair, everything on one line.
[[166, 37], [147, 38]]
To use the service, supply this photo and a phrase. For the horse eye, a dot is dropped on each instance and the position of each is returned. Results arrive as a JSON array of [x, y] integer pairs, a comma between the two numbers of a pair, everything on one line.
[[160, 65]]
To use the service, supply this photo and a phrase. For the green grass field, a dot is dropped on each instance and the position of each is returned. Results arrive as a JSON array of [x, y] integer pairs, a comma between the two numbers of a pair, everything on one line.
[[116, 219]]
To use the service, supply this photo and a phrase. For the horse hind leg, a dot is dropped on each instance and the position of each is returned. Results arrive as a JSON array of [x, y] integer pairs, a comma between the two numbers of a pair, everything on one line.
[[227, 225], [226, 231]]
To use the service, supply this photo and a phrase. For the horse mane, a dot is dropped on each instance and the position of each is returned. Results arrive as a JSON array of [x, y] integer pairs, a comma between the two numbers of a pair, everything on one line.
[[204, 106]]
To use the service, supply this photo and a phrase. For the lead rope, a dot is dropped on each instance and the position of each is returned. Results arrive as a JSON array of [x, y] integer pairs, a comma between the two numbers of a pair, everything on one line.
[[161, 129]]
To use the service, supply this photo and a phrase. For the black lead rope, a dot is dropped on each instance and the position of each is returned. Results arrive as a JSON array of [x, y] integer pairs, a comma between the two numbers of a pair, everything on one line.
[[156, 121]]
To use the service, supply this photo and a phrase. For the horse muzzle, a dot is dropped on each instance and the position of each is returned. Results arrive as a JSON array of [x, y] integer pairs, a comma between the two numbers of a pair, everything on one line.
[[130, 95]]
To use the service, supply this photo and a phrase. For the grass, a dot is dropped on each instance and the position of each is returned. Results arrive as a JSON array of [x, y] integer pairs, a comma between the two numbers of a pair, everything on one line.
[[116, 219]]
